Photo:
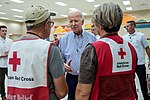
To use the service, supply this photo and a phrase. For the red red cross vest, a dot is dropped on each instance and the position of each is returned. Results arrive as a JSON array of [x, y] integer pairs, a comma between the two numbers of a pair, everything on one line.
[[28, 70], [115, 70]]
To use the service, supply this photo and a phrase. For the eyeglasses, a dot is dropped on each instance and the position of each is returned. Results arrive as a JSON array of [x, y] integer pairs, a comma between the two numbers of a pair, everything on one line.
[[50, 23]]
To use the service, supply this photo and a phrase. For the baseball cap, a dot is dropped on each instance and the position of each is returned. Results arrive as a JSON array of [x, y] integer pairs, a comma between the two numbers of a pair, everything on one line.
[[36, 15]]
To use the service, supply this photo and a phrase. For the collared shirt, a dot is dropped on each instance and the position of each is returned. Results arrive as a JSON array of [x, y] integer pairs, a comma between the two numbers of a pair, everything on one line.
[[5, 45], [139, 41], [72, 46], [97, 37]]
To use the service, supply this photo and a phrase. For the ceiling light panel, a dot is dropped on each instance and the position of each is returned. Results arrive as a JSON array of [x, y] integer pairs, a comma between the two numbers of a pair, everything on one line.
[[126, 2], [64, 15], [73, 9], [2, 13], [0, 5], [60, 3], [17, 1], [90, 0], [17, 10], [84, 13], [129, 8], [3, 18], [96, 5], [19, 20], [17, 16]]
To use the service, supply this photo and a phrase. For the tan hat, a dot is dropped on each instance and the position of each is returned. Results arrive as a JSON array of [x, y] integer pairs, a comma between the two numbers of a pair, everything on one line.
[[36, 15]]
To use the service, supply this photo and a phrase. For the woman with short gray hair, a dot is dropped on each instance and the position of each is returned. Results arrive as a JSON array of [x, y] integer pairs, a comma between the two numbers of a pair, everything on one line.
[[107, 66], [106, 15]]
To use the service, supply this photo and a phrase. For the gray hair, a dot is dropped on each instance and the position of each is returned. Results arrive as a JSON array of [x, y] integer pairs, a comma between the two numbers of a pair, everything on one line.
[[108, 15], [76, 11]]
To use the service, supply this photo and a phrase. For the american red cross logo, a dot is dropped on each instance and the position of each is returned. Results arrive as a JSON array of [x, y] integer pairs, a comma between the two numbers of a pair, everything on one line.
[[122, 53], [14, 61]]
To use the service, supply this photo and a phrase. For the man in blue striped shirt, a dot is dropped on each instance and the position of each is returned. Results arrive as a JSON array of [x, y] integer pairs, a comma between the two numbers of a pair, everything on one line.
[[72, 46]]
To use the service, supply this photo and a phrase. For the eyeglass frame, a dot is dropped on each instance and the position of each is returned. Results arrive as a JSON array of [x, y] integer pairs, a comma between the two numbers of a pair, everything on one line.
[[50, 23]]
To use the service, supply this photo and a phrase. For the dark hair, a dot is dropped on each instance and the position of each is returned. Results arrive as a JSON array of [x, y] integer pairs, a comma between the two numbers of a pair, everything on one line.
[[132, 22], [3, 27]]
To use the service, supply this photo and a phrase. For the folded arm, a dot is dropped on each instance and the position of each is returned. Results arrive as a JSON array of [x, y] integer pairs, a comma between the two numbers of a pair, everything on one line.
[[83, 91], [60, 87]]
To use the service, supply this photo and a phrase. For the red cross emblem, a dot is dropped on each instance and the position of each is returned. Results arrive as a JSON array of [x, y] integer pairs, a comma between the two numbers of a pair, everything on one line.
[[122, 53], [14, 61]]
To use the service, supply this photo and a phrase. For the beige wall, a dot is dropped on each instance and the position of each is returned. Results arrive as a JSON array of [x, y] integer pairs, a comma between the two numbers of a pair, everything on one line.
[[13, 27], [19, 28]]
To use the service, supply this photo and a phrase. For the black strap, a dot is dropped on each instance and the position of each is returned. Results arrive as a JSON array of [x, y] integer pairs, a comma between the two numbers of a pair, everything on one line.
[[34, 34]]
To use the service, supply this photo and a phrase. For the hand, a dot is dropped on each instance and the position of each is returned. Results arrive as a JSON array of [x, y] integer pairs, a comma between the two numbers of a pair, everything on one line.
[[67, 66], [148, 84], [6, 53]]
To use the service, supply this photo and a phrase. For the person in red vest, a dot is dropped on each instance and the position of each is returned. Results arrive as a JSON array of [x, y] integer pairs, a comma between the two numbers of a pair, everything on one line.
[[35, 67], [148, 82], [107, 67]]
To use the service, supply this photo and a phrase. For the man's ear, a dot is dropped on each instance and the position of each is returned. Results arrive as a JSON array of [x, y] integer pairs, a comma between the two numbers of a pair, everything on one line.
[[100, 27], [47, 25], [134, 26]]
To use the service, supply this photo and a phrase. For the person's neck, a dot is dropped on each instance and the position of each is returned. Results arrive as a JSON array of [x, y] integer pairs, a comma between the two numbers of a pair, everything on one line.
[[108, 34], [4, 37], [78, 33], [132, 32], [34, 33]]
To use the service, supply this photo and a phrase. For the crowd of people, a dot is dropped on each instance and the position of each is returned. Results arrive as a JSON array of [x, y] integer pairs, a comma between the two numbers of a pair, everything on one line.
[[82, 65]]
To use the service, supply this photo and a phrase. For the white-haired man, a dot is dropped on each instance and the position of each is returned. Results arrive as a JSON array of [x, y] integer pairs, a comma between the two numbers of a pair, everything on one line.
[[72, 46]]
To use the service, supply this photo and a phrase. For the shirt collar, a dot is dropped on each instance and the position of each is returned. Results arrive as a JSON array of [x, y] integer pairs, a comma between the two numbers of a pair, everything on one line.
[[132, 34], [2, 38], [26, 36], [81, 35]]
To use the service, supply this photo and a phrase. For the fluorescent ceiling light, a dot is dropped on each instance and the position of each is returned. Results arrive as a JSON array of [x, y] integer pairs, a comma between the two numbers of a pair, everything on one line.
[[129, 8], [0, 5], [17, 1], [73, 9], [60, 3], [127, 2], [84, 13], [18, 16], [19, 20], [64, 15], [54, 12], [17, 10], [3, 18], [96, 5], [90, 0], [2, 13]]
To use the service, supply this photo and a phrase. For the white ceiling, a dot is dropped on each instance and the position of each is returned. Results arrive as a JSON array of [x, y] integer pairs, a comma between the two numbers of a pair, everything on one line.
[[82, 5]]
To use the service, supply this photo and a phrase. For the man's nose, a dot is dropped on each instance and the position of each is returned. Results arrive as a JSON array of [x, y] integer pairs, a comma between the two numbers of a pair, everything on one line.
[[73, 23]]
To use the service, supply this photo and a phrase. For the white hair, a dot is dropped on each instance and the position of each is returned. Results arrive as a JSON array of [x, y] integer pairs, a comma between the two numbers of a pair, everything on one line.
[[76, 11]]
